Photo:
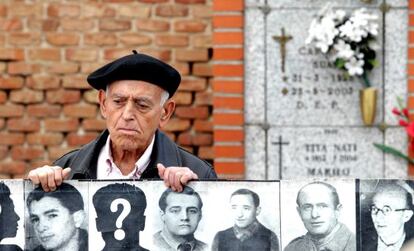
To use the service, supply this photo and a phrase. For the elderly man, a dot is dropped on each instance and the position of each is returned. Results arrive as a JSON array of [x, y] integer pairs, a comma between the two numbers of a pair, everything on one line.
[[319, 208], [57, 218], [135, 99], [181, 213], [120, 196], [391, 209], [247, 233]]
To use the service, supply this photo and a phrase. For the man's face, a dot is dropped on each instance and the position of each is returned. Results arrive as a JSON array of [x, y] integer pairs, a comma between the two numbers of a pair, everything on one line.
[[53, 224], [8, 219], [243, 209], [393, 222], [317, 210], [133, 112], [182, 214]]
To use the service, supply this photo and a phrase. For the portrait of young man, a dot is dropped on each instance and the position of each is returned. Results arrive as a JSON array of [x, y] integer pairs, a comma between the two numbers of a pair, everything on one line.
[[247, 233], [8, 219], [110, 202], [56, 219], [387, 215], [319, 208], [180, 215]]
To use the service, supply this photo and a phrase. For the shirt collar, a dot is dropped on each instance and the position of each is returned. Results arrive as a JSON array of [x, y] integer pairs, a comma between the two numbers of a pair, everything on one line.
[[245, 233], [396, 246], [176, 244]]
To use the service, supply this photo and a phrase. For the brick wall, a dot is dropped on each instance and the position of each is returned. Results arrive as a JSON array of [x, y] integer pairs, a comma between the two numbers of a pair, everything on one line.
[[47, 48]]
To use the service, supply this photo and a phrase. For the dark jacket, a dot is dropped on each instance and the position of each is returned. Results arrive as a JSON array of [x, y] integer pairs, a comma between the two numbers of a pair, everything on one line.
[[84, 160], [370, 238]]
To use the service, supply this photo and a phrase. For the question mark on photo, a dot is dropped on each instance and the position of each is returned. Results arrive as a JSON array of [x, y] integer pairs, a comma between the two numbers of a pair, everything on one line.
[[119, 233]]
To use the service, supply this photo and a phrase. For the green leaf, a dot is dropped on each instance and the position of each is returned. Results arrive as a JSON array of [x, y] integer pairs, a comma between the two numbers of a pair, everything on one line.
[[394, 152], [373, 62], [340, 63]]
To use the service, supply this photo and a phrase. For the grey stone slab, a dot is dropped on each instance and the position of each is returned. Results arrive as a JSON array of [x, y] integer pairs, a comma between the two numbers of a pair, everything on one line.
[[398, 3], [395, 61], [253, 3], [255, 153], [396, 167], [255, 67], [310, 91], [325, 152], [310, 4]]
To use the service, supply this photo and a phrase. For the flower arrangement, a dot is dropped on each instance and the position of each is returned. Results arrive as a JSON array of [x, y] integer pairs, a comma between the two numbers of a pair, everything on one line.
[[347, 40], [403, 119]]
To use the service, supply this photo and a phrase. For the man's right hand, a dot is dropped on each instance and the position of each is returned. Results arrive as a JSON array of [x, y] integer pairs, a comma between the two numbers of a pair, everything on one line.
[[49, 177]]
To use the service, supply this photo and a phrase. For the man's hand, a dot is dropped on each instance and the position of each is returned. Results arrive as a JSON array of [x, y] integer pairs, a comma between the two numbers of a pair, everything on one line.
[[49, 177], [175, 177]]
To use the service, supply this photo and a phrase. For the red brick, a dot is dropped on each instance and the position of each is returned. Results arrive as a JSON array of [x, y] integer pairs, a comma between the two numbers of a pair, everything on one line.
[[24, 38], [135, 39], [182, 67], [202, 11], [4, 150], [202, 41], [11, 110], [11, 54], [63, 68], [190, 26], [228, 54], [411, 20], [12, 167], [43, 82], [229, 167], [229, 151], [228, 21], [23, 125], [152, 25], [3, 10], [235, 103], [172, 40], [134, 11], [97, 10], [75, 139], [228, 70], [26, 96], [191, 1], [100, 39], [2, 40], [10, 138], [87, 68], [50, 25], [228, 37], [231, 119], [152, 1], [193, 84], [202, 70], [45, 54], [183, 98], [203, 98], [63, 96], [410, 85], [80, 111], [205, 152], [411, 4], [91, 96], [177, 125], [44, 110], [63, 10], [191, 55], [14, 24], [2, 123], [22, 68], [111, 54], [171, 11], [47, 139], [410, 69], [163, 55], [410, 53], [62, 39], [61, 125], [3, 97], [184, 139], [93, 124], [114, 25], [35, 164], [228, 135], [71, 24], [75, 82], [27, 153], [82, 55], [203, 125], [228, 86], [25, 10], [202, 139], [192, 112], [225, 5], [11, 83], [56, 152]]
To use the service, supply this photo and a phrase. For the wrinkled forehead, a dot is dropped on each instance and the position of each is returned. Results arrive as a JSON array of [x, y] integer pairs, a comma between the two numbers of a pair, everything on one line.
[[315, 194], [392, 198]]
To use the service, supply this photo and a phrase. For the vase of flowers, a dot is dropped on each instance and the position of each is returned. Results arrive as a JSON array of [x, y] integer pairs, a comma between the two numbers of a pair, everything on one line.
[[348, 40]]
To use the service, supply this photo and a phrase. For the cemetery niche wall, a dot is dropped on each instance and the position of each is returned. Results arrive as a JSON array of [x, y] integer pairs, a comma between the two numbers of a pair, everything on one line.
[[144, 215], [301, 112]]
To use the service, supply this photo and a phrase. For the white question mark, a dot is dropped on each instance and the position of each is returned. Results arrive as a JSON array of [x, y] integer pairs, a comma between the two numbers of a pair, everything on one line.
[[119, 233]]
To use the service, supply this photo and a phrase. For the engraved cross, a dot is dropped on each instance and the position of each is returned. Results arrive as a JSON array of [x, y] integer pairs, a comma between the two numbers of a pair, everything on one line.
[[282, 40], [280, 143]]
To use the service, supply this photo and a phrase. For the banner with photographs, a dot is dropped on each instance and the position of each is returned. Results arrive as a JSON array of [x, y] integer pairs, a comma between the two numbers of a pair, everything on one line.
[[288, 215]]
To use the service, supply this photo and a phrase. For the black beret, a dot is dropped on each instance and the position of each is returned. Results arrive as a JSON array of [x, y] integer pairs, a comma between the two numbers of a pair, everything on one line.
[[137, 66]]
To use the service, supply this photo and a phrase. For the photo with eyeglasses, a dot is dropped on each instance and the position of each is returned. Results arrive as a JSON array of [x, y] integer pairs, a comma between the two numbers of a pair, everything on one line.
[[386, 214]]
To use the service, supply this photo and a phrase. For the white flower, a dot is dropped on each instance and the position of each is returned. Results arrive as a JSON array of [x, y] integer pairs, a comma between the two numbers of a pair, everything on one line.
[[354, 66], [343, 50]]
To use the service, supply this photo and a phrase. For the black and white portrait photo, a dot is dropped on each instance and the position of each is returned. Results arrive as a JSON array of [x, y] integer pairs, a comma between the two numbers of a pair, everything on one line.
[[318, 215], [386, 208], [11, 215], [57, 220], [119, 216]]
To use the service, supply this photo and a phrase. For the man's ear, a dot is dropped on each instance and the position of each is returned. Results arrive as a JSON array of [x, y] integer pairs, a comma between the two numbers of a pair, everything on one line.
[[102, 98], [78, 218], [407, 215], [162, 213], [338, 210], [167, 112], [258, 210]]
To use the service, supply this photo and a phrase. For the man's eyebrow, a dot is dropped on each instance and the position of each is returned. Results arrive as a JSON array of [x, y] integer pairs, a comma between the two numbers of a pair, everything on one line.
[[51, 211]]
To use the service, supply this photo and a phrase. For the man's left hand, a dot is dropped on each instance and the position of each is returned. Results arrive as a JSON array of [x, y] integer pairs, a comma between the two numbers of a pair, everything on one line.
[[175, 177]]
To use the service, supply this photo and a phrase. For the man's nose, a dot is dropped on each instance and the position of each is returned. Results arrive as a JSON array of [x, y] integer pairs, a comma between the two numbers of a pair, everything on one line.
[[315, 212], [128, 112], [42, 226], [184, 215]]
